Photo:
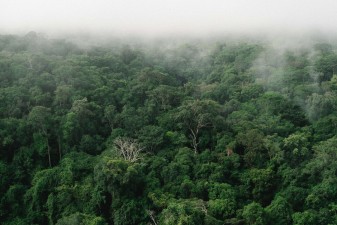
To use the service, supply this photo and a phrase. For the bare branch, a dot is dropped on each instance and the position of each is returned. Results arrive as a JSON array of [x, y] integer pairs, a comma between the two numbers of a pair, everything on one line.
[[151, 214], [194, 137], [128, 148]]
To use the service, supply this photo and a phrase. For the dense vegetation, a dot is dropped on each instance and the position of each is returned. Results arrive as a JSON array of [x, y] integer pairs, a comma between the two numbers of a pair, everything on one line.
[[168, 133]]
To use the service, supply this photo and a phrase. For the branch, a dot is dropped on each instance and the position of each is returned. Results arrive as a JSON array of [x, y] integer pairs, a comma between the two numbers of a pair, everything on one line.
[[151, 214], [128, 148]]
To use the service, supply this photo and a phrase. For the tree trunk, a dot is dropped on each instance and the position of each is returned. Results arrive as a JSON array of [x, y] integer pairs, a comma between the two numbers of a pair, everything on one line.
[[49, 158], [59, 145], [194, 136]]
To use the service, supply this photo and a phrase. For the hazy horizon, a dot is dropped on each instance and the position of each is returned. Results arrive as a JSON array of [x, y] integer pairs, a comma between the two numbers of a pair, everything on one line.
[[158, 18]]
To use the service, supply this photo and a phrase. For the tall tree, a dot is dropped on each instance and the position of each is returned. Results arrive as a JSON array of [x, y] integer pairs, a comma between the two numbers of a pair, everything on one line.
[[40, 118]]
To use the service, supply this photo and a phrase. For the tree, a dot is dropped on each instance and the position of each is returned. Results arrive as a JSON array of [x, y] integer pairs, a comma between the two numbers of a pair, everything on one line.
[[129, 125], [320, 105], [63, 94], [128, 148], [326, 65], [308, 217], [81, 219], [195, 115], [110, 115], [254, 150], [297, 147], [165, 96], [40, 118], [222, 204], [185, 212], [80, 120], [152, 137], [118, 181], [324, 162], [279, 212], [261, 183], [254, 214]]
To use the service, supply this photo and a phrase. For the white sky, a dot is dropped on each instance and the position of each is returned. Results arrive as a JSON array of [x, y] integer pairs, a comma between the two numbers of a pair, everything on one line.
[[166, 16]]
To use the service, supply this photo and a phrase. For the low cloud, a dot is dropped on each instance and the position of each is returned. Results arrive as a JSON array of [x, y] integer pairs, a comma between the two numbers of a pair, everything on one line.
[[166, 17]]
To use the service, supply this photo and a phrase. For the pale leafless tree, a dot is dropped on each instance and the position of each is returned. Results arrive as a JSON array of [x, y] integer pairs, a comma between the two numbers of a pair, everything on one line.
[[151, 215], [202, 206], [199, 123], [128, 148]]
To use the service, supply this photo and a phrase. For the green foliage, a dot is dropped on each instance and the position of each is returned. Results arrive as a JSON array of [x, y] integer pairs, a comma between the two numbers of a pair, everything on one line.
[[296, 146], [129, 212], [81, 219], [222, 208], [254, 214], [279, 211], [183, 212], [260, 183], [307, 217], [152, 137], [252, 143], [231, 133], [118, 176]]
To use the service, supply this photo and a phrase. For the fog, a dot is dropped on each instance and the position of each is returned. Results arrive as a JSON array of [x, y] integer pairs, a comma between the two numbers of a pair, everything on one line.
[[167, 17]]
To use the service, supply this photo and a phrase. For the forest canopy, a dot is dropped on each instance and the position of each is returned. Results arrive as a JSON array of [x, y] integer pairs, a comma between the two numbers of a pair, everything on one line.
[[170, 132]]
